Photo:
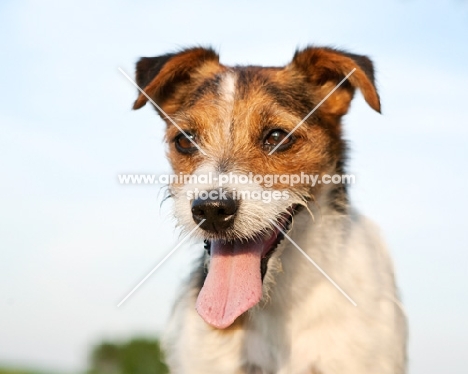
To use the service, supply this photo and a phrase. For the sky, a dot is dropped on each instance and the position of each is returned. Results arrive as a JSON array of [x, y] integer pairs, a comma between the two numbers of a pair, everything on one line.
[[74, 242]]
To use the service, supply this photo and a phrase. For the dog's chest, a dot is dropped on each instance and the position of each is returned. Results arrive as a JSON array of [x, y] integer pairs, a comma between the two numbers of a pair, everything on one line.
[[276, 342], [310, 342]]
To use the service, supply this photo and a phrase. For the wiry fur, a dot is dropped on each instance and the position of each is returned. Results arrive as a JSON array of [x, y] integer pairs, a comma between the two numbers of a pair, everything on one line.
[[252, 211], [303, 324]]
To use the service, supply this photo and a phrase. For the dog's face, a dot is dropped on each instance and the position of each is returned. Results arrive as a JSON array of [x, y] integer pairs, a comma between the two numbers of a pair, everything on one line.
[[227, 123]]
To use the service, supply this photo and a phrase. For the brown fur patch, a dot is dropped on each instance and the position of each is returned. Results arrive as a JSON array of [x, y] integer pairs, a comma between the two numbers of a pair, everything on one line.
[[160, 76], [188, 86], [325, 67]]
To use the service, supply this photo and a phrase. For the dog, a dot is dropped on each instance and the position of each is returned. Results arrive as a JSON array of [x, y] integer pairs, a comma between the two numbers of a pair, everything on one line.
[[298, 284]]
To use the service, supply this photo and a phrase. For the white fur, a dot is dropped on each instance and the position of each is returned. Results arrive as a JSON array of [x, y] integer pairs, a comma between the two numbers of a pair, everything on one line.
[[252, 212], [304, 324], [228, 91]]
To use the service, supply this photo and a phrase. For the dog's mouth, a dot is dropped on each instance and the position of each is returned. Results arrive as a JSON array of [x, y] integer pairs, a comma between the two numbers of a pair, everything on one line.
[[234, 281]]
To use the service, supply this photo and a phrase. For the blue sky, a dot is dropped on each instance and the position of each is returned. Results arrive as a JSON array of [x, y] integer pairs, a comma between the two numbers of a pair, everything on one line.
[[73, 241]]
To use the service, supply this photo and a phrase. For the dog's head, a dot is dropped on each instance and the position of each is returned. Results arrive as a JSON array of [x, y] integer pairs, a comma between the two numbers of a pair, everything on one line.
[[238, 135]]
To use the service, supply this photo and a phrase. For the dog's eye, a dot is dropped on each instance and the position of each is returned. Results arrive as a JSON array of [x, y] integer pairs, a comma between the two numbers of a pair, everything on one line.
[[183, 143], [275, 137]]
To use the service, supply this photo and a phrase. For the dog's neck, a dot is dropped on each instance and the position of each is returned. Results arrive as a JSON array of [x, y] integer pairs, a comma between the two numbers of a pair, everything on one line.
[[316, 230]]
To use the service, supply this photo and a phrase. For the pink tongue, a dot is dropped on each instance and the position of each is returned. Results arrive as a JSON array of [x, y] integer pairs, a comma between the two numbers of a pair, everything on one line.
[[234, 282]]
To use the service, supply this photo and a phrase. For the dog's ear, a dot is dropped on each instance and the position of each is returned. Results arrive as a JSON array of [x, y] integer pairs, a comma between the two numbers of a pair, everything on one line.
[[160, 76], [324, 68]]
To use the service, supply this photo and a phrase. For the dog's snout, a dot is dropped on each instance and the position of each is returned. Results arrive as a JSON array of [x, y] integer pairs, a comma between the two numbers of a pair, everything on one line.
[[218, 213]]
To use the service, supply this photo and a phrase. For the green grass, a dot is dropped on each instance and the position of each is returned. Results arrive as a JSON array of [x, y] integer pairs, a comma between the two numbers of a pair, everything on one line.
[[134, 356], [20, 371]]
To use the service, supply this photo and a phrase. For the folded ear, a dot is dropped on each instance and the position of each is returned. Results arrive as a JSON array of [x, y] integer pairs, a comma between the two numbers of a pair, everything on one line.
[[324, 68], [160, 76]]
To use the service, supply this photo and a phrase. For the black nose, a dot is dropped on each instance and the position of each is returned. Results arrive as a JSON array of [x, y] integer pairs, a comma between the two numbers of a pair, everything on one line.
[[218, 212]]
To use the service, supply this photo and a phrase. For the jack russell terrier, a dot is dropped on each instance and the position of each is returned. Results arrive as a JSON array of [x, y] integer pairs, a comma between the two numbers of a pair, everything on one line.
[[255, 303]]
